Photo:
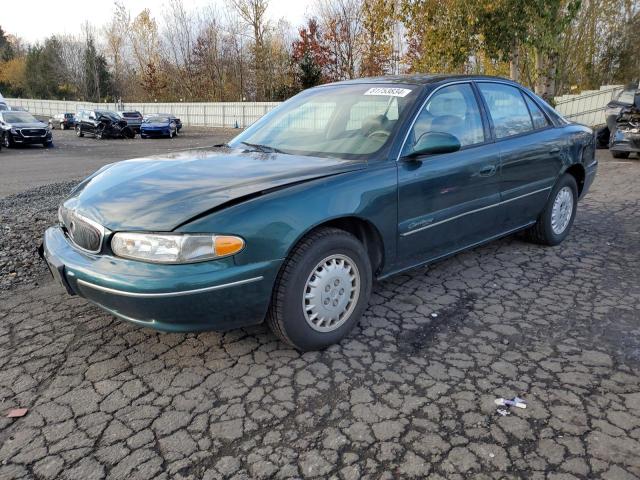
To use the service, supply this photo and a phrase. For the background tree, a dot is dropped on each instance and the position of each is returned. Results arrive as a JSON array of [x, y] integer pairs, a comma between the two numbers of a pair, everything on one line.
[[378, 21], [116, 33], [254, 15], [310, 55], [146, 51], [440, 35], [341, 24]]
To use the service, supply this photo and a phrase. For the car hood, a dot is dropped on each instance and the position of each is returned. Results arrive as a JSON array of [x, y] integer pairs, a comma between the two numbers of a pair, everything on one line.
[[160, 193]]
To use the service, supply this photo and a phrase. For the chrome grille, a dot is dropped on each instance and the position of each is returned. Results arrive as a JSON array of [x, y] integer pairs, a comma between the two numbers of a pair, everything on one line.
[[33, 132], [85, 233]]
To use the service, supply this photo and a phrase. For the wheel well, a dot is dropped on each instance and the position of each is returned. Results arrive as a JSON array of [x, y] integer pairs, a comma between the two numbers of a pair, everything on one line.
[[577, 171], [364, 231]]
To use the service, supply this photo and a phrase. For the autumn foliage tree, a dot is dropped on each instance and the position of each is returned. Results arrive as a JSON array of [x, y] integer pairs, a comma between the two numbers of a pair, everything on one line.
[[310, 55]]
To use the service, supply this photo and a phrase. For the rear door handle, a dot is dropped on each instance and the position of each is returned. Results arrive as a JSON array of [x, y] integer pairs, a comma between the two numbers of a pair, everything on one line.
[[487, 170]]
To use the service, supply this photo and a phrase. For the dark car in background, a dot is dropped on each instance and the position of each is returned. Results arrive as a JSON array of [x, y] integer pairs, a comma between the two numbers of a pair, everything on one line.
[[625, 138], [102, 124], [158, 126], [341, 185], [133, 119], [63, 120], [22, 128], [628, 97]]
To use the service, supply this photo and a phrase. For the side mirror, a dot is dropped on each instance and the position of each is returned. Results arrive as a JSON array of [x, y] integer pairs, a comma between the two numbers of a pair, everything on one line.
[[431, 143]]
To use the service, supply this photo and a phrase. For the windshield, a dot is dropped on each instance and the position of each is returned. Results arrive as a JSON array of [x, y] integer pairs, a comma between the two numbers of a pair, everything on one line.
[[111, 115], [157, 120], [627, 96], [19, 117], [349, 121]]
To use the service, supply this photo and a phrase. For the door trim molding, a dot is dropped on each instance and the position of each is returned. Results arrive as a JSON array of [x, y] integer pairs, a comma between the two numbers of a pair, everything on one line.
[[455, 217]]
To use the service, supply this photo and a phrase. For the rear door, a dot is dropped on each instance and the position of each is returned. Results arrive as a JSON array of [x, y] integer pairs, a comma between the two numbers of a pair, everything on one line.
[[446, 200], [531, 151]]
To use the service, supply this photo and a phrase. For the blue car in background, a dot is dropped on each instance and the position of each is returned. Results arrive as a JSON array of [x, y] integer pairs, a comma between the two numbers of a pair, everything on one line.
[[158, 126]]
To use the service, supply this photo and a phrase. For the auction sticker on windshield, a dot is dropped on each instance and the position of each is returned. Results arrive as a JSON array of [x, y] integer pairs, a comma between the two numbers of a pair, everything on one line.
[[388, 91]]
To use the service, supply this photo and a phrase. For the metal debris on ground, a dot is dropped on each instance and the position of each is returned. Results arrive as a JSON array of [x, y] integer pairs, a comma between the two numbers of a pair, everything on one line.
[[514, 402], [503, 411]]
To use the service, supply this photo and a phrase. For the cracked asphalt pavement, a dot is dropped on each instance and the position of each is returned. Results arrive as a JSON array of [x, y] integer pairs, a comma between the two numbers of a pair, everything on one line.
[[409, 394]]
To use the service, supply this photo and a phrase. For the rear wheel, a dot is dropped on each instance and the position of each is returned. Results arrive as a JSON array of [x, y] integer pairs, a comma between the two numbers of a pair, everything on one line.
[[79, 132], [321, 291], [556, 219], [63, 126]]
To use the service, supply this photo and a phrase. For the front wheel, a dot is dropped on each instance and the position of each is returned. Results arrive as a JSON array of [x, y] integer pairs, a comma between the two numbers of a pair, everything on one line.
[[556, 219], [79, 132], [321, 291], [7, 141]]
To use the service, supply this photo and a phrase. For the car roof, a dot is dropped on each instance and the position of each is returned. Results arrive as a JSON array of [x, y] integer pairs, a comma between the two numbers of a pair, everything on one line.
[[418, 79]]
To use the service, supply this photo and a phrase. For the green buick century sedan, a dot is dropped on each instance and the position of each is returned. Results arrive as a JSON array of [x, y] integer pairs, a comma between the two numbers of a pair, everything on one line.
[[293, 220]]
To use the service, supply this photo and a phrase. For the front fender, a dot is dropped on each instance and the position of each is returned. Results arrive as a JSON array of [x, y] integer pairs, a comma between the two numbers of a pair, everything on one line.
[[273, 223]]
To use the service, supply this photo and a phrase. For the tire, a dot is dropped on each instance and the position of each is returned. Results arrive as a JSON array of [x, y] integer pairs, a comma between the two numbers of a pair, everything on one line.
[[51, 126], [79, 132], [7, 141], [48, 144], [544, 231], [620, 154], [171, 134], [62, 126], [345, 260]]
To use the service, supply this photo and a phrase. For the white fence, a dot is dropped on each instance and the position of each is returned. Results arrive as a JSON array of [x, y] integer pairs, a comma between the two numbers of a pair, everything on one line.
[[586, 107], [222, 114]]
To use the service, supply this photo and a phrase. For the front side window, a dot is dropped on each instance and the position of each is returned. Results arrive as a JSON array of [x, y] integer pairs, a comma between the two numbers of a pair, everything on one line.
[[507, 108], [453, 110], [347, 121]]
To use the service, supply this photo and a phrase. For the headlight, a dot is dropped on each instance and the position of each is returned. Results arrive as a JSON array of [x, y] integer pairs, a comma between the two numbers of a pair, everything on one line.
[[174, 247], [14, 131]]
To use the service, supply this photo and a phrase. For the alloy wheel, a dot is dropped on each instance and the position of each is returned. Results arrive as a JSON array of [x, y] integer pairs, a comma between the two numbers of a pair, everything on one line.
[[331, 293], [562, 210]]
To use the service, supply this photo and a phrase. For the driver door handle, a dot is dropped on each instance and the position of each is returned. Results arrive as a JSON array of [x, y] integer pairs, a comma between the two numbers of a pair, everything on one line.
[[487, 170]]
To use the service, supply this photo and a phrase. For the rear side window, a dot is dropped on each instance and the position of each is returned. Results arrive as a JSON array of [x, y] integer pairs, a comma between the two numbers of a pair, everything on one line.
[[539, 120], [507, 108]]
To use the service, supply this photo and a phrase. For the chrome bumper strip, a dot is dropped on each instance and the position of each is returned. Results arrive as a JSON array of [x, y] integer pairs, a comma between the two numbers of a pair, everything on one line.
[[125, 293]]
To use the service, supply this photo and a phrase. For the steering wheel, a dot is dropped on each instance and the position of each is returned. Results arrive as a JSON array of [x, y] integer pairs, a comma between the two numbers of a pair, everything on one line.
[[379, 132]]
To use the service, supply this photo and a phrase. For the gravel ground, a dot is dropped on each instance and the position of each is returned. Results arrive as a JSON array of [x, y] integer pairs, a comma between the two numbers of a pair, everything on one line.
[[410, 394], [23, 219]]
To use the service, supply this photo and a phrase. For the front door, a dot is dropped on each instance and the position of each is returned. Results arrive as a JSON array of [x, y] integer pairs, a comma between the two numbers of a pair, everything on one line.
[[447, 201]]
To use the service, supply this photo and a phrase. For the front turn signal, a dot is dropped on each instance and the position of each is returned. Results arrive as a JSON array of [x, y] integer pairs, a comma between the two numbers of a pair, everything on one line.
[[227, 245]]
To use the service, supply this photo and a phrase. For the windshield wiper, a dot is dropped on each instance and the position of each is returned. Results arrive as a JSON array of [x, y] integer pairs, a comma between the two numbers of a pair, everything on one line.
[[262, 148]]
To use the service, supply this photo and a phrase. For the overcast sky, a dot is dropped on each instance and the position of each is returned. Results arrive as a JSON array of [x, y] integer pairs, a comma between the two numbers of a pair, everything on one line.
[[47, 17]]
